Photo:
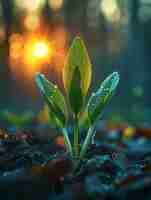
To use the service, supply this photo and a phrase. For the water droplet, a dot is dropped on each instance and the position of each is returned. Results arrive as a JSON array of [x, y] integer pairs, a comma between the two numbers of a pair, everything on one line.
[[93, 94], [92, 104]]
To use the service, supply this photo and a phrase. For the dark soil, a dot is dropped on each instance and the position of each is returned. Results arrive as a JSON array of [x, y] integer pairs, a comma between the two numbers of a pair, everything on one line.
[[117, 167]]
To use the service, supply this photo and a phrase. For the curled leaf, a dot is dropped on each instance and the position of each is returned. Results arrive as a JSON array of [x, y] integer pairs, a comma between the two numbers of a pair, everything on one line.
[[54, 99], [77, 74], [75, 91], [101, 97]]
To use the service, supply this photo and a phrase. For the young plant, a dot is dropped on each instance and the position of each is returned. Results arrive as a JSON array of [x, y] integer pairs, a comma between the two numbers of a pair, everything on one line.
[[77, 78]]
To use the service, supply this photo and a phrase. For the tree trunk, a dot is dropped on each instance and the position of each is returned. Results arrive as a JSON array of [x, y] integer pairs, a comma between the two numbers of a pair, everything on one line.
[[5, 72]]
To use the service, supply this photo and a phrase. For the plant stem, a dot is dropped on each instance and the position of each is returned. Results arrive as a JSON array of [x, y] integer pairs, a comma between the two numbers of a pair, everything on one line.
[[67, 141], [76, 138], [86, 142]]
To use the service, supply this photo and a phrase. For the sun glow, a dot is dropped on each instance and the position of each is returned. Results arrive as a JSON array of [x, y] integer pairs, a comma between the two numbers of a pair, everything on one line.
[[55, 4], [30, 5], [38, 51], [31, 22]]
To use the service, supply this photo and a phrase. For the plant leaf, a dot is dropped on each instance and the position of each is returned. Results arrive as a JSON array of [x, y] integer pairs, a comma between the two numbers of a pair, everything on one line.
[[101, 97], [75, 93], [77, 68], [54, 99], [53, 120]]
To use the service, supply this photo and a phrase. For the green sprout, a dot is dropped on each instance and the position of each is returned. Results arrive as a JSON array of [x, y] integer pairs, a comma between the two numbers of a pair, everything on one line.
[[76, 79]]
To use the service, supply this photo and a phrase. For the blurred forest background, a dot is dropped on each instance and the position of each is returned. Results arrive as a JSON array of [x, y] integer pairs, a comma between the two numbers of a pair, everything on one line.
[[35, 36]]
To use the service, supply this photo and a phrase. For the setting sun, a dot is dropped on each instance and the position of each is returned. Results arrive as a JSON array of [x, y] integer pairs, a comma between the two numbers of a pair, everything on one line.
[[33, 52], [40, 50]]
